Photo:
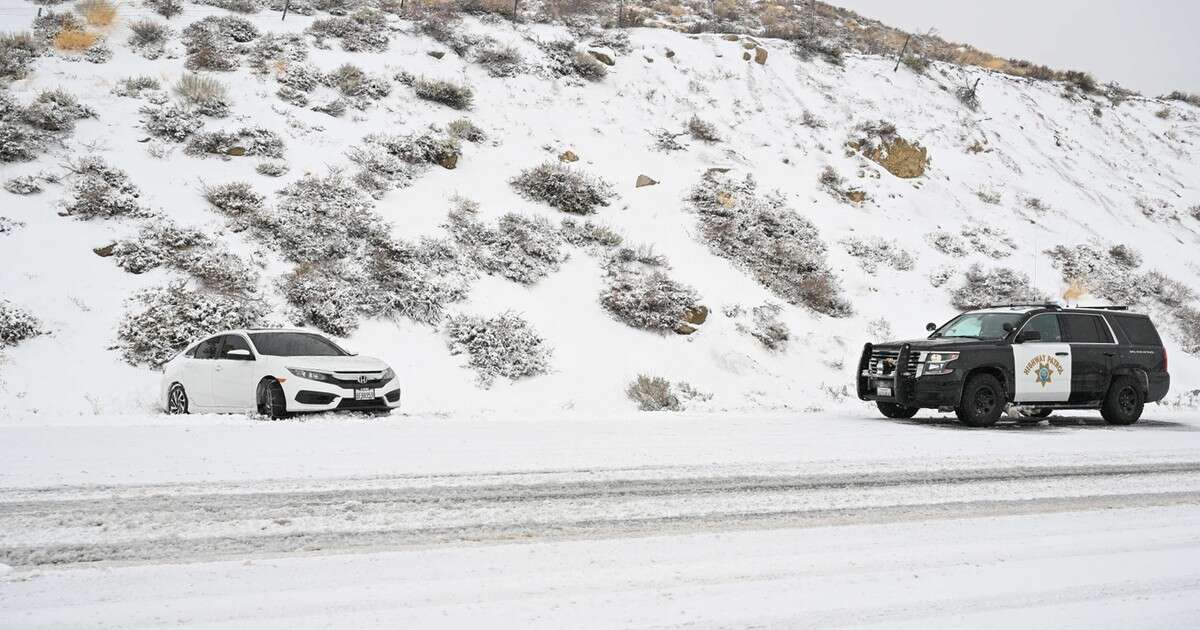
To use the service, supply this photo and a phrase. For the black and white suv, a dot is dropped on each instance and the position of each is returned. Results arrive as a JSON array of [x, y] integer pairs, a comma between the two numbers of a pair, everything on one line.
[[1036, 357]]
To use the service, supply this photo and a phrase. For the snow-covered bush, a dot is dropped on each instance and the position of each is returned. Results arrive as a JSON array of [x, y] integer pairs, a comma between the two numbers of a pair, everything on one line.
[[325, 296], [254, 141], [134, 87], [444, 92], [505, 346], [172, 122], [357, 85], [277, 52], [983, 287], [391, 161], [237, 6], [319, 219], [653, 393], [363, 30], [522, 249], [947, 243], [162, 321], [166, 8], [24, 185], [16, 324], [564, 188], [464, 129], [216, 42], [17, 52], [271, 169], [590, 235], [1187, 320], [19, 143], [8, 225], [588, 67], [991, 241], [55, 110], [189, 250], [234, 198], [780, 247], [703, 130], [204, 94], [639, 292], [415, 281], [1112, 272], [871, 253], [766, 327], [99, 190], [149, 37], [499, 60]]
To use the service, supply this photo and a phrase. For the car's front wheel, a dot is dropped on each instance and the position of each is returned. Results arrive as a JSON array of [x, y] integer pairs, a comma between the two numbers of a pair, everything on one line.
[[982, 401], [272, 402], [892, 410], [177, 399], [1124, 402]]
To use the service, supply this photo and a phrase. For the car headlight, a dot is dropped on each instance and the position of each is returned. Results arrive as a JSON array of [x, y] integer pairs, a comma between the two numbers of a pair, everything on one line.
[[311, 375], [936, 363], [388, 375]]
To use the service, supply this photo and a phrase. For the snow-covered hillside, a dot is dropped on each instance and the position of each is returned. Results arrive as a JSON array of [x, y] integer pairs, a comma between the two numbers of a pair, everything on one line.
[[1035, 166]]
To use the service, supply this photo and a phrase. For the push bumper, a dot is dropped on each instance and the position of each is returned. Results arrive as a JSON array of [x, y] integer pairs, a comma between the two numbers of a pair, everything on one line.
[[943, 390]]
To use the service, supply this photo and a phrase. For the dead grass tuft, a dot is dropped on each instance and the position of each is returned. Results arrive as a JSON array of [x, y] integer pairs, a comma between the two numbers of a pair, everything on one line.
[[74, 39], [97, 12]]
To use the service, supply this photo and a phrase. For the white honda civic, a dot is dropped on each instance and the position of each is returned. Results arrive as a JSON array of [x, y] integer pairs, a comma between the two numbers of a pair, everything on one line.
[[275, 372]]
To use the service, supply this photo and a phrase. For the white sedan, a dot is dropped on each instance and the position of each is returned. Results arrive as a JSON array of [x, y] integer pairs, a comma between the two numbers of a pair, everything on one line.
[[275, 372]]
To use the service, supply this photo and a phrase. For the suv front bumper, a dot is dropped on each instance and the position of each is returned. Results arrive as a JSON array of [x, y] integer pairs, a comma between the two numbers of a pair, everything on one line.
[[940, 390]]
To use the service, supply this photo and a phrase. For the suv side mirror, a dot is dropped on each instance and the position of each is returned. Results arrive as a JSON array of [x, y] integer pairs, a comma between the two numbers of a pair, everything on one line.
[[1029, 335], [241, 354], [931, 326]]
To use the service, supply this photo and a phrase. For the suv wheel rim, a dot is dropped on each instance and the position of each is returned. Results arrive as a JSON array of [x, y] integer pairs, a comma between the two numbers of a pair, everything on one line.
[[178, 400], [985, 400], [1127, 401]]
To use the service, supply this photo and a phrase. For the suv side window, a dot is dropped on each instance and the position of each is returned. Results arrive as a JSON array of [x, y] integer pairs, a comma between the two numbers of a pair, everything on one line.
[[233, 342], [1085, 328], [208, 348], [1138, 330], [1047, 324]]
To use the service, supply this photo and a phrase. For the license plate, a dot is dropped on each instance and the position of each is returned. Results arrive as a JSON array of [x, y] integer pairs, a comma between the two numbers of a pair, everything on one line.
[[364, 394], [884, 390]]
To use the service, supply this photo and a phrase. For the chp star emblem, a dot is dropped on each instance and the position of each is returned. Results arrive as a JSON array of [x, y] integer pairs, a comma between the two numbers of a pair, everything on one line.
[[1043, 375]]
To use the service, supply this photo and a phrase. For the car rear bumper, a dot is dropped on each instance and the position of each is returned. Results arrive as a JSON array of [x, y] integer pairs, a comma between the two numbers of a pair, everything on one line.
[[304, 395]]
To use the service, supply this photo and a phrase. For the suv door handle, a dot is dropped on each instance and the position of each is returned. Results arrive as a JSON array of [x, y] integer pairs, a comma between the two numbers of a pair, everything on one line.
[[1110, 354], [1062, 354]]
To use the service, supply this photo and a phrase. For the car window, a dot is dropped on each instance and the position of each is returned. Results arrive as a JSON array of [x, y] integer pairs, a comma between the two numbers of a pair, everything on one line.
[[1139, 330], [1047, 324], [293, 344], [233, 342], [979, 325], [1085, 329], [208, 348]]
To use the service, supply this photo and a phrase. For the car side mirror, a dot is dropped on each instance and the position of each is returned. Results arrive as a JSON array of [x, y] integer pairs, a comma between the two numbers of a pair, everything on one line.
[[241, 354], [931, 326], [1029, 335], [1008, 327]]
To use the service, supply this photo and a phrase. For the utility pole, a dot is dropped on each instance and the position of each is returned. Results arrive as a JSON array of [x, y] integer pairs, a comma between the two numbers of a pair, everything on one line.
[[286, 5]]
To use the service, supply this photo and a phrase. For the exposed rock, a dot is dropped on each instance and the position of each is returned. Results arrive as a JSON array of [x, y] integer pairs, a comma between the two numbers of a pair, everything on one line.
[[670, 53], [901, 158], [760, 55], [643, 180], [696, 315], [436, 54], [748, 45], [602, 58], [105, 251], [857, 196], [648, 59], [568, 156], [449, 162], [716, 170], [685, 329], [236, 151], [746, 56], [730, 37]]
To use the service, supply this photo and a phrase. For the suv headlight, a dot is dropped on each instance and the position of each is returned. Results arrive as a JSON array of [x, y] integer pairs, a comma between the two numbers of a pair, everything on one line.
[[388, 375], [311, 375], [936, 362]]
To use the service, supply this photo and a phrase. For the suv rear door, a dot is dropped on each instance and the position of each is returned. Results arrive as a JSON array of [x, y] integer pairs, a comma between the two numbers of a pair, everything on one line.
[[1093, 350]]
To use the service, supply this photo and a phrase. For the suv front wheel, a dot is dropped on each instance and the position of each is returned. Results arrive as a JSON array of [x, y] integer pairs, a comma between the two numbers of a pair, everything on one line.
[[982, 401], [1124, 402]]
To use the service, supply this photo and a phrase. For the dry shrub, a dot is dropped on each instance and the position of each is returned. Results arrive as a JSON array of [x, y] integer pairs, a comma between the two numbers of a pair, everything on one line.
[[653, 393], [97, 12], [74, 39]]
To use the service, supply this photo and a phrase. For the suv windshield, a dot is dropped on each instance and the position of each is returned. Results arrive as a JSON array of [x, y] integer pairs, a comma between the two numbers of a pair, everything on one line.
[[291, 344], [979, 325]]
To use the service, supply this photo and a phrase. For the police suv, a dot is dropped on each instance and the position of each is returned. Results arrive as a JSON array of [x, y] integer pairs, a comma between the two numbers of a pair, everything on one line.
[[1034, 357]]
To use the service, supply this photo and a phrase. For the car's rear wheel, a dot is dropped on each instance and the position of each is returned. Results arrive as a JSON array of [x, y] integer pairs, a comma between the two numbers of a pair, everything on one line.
[[893, 410], [272, 402], [177, 399], [1124, 403], [982, 401]]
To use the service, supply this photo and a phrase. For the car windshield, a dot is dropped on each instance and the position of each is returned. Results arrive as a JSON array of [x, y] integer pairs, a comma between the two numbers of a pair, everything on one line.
[[979, 325], [291, 344]]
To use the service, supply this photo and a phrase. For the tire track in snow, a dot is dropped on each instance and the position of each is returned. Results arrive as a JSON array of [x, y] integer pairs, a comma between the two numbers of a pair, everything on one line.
[[186, 522]]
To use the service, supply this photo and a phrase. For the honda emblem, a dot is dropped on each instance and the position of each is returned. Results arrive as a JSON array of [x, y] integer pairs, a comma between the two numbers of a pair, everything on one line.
[[363, 378]]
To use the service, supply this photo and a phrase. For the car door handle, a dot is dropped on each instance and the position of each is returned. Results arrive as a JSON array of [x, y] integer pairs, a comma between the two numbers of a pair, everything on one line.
[[1062, 354], [1110, 354], [217, 367]]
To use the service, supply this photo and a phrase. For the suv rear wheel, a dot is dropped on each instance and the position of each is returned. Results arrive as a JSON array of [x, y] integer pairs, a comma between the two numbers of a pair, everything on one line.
[[892, 410], [982, 401], [1124, 402]]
